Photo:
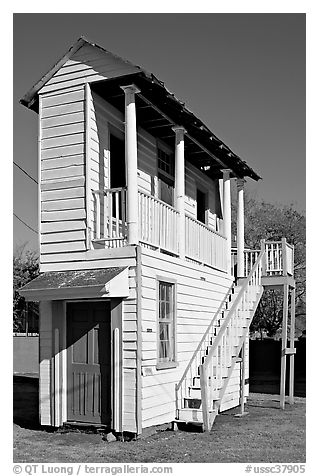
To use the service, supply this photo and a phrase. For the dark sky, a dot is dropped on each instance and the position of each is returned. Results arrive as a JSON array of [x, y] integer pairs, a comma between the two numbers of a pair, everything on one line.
[[242, 74]]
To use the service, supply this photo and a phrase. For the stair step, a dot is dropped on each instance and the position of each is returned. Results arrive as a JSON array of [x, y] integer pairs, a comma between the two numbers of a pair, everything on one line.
[[196, 380], [195, 403], [190, 415], [195, 392]]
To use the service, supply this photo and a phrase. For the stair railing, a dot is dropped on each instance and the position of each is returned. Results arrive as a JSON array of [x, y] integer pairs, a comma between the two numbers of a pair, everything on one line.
[[192, 369], [219, 357]]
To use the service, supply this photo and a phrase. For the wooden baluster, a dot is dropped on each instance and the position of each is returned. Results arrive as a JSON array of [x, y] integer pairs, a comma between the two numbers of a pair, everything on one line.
[[117, 214], [98, 215], [123, 199], [110, 214]]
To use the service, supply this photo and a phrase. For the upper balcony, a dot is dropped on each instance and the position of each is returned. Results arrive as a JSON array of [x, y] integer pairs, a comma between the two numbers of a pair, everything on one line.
[[158, 228]]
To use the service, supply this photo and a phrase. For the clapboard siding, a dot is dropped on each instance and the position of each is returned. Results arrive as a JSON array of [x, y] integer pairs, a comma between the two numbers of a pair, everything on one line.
[[199, 292], [62, 162], [86, 65], [74, 192], [63, 236], [62, 173], [45, 356], [129, 355]]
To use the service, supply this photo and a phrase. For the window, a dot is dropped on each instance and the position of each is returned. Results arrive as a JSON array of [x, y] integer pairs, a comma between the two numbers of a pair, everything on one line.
[[117, 162], [166, 324], [165, 164], [201, 206]]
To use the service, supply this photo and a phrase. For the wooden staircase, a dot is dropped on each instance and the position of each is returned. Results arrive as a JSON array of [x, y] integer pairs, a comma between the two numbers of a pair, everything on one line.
[[201, 389]]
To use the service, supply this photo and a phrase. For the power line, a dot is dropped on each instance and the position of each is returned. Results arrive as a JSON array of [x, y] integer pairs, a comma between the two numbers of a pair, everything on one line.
[[32, 229], [19, 167]]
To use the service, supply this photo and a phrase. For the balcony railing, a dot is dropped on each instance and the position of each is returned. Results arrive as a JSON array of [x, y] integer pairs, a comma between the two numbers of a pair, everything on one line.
[[203, 244], [110, 216], [157, 223], [158, 226], [278, 261]]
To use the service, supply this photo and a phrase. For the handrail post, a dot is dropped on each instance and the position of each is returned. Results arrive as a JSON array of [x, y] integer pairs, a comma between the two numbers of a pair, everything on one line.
[[264, 260], [204, 396], [284, 256], [240, 228]]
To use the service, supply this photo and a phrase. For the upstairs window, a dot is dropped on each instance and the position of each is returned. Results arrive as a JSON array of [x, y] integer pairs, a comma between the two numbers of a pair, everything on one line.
[[165, 164], [201, 199], [166, 324]]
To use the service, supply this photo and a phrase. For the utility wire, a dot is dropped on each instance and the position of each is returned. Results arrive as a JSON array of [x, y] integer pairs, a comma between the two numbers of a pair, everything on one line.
[[32, 229], [19, 167]]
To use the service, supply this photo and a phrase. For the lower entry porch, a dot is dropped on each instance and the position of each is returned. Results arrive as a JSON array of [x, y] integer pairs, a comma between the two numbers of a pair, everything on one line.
[[80, 376], [81, 366]]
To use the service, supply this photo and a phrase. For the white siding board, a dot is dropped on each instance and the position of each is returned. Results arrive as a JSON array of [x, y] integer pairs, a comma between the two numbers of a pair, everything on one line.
[[63, 215], [61, 110], [67, 204], [63, 120], [63, 151], [67, 246], [63, 130], [63, 236], [61, 162], [63, 226], [61, 98], [76, 192], [65, 140], [63, 183]]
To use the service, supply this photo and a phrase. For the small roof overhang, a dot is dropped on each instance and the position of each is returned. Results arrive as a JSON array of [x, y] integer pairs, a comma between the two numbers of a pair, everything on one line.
[[81, 284]]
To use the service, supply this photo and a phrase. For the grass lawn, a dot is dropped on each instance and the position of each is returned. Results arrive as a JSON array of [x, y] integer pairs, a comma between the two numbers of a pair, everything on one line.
[[267, 434]]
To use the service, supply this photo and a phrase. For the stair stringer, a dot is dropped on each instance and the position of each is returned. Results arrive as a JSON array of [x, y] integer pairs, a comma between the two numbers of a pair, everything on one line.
[[238, 349]]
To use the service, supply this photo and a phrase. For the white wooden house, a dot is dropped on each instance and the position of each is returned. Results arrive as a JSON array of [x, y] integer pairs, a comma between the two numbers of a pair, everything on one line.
[[141, 320]]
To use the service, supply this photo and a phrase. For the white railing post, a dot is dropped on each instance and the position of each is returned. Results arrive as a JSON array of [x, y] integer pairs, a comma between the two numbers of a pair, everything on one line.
[[131, 163], [180, 186], [284, 256], [227, 216], [240, 228]]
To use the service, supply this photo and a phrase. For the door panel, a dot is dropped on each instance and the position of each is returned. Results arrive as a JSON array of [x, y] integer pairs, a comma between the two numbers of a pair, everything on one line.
[[89, 362]]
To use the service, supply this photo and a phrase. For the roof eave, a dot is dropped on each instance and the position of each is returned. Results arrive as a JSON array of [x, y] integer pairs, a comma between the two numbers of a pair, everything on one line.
[[30, 98]]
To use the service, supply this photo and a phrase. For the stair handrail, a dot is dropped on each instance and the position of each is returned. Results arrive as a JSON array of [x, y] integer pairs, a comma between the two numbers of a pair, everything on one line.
[[206, 403], [210, 325], [232, 310]]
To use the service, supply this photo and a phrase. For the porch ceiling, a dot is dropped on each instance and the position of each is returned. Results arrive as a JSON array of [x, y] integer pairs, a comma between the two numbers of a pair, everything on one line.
[[158, 110]]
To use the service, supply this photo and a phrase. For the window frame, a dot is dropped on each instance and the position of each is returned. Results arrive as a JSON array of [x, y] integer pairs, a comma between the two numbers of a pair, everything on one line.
[[162, 175], [173, 363]]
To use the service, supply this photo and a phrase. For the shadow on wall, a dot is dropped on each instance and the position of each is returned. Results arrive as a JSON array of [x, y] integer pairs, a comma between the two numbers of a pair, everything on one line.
[[264, 367]]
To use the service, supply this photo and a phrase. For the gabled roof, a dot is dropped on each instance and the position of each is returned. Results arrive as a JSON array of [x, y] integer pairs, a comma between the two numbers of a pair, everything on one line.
[[156, 93]]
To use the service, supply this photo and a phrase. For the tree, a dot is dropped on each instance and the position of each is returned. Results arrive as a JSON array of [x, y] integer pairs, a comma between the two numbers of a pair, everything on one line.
[[25, 268], [273, 222]]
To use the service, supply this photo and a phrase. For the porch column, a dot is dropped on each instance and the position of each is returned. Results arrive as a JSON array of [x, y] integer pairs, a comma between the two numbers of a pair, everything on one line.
[[131, 163], [180, 186], [240, 228], [227, 216]]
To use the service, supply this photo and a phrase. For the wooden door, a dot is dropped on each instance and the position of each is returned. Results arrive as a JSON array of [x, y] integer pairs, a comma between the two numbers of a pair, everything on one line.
[[89, 362]]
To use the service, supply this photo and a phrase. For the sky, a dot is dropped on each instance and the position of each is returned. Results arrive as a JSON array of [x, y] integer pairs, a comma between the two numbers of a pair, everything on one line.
[[242, 74]]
